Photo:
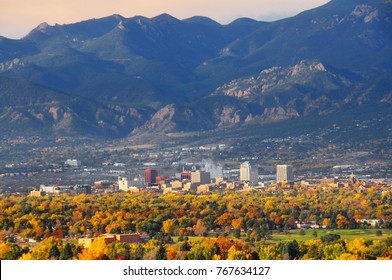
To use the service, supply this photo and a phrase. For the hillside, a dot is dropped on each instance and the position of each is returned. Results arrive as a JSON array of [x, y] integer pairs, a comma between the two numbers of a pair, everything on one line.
[[120, 76]]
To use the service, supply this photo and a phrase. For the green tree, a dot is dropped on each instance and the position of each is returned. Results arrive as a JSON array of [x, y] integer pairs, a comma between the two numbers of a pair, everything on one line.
[[185, 246], [54, 253], [329, 238], [67, 252], [291, 250], [237, 233], [139, 252], [119, 251], [161, 253]]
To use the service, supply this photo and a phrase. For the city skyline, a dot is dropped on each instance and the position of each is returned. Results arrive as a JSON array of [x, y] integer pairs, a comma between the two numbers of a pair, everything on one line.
[[17, 21]]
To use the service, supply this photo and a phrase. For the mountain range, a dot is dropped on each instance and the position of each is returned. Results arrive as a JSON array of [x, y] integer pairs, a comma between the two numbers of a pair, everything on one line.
[[123, 77]]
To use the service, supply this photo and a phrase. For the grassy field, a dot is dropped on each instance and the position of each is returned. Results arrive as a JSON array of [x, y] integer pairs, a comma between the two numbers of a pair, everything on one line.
[[345, 234]]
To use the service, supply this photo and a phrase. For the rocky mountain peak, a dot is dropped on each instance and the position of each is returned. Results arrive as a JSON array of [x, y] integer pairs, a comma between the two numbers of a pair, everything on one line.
[[306, 66], [42, 26], [367, 12], [121, 26]]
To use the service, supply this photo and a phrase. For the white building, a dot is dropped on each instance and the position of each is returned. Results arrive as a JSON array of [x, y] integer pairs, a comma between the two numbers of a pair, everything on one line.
[[73, 162], [284, 173], [248, 173], [50, 189], [122, 183]]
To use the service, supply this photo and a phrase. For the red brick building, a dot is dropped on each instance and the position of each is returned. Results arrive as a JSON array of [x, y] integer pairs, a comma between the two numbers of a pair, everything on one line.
[[150, 176]]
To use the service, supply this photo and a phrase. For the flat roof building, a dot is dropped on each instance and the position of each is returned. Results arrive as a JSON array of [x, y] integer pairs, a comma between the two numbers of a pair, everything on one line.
[[122, 183], [284, 173], [150, 176], [200, 177], [248, 173]]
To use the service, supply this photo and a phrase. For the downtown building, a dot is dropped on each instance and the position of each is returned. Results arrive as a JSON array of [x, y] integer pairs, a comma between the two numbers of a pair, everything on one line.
[[150, 177], [122, 183], [284, 173], [200, 177], [248, 173]]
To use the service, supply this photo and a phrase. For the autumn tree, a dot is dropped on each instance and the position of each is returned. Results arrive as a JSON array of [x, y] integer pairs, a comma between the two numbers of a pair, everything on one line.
[[199, 228], [269, 253], [119, 251], [97, 250], [333, 251], [235, 254], [11, 251], [358, 248], [43, 250]]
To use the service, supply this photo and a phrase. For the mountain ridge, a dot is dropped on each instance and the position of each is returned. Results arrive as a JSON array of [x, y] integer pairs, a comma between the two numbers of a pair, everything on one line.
[[197, 74]]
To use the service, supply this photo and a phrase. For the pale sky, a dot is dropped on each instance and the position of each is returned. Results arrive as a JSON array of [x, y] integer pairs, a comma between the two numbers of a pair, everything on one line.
[[18, 17]]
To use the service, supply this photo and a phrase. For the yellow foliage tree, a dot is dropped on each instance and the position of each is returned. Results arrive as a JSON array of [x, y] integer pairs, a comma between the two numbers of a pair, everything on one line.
[[333, 251], [347, 256], [41, 252], [235, 254], [326, 222], [168, 226], [269, 253], [312, 249], [358, 248], [97, 250], [341, 221]]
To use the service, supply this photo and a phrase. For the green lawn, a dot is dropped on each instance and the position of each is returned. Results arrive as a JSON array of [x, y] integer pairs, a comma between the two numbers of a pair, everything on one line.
[[191, 238], [345, 234]]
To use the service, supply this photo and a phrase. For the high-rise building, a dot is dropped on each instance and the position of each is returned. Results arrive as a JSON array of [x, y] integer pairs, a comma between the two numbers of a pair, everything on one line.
[[122, 183], [200, 177], [248, 172], [284, 173], [150, 176]]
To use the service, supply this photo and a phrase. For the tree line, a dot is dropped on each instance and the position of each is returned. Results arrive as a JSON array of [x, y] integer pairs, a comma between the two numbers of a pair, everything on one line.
[[245, 220]]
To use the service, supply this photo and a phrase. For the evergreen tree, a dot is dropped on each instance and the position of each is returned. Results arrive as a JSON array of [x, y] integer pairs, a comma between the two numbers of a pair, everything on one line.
[[161, 253], [67, 253], [54, 253]]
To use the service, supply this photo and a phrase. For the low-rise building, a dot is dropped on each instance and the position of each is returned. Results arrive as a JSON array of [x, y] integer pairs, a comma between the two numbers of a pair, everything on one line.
[[130, 238], [38, 193], [72, 163]]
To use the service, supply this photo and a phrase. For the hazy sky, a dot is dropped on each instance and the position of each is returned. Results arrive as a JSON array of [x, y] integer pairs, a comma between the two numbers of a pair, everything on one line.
[[18, 17]]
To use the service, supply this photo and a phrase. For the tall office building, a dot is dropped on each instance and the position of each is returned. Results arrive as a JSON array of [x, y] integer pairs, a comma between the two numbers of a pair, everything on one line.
[[150, 176], [200, 177], [122, 183], [248, 172], [284, 173]]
